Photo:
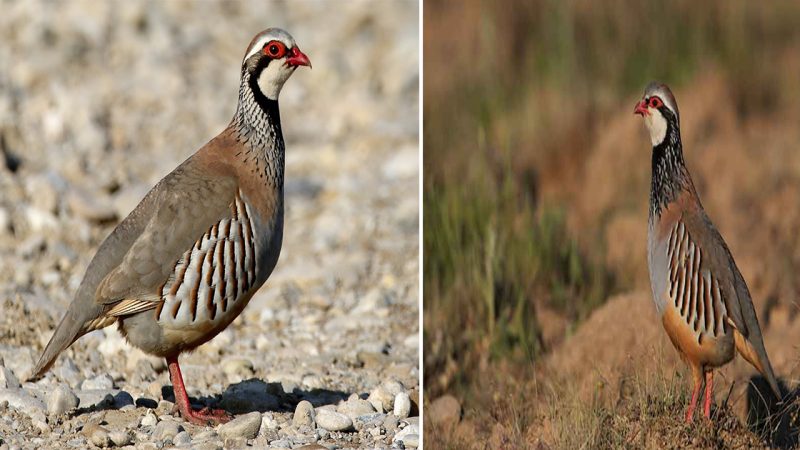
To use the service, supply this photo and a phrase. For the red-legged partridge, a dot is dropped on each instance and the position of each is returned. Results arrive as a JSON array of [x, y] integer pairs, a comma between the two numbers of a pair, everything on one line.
[[700, 295], [186, 261]]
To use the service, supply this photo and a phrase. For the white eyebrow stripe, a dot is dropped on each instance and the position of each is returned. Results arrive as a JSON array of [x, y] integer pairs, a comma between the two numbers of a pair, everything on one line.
[[259, 44]]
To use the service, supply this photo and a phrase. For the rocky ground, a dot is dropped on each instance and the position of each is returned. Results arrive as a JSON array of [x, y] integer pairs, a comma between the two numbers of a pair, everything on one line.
[[98, 101]]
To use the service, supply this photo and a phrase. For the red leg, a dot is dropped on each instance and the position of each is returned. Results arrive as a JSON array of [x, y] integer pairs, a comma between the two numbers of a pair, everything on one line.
[[698, 383], [709, 394], [205, 416]]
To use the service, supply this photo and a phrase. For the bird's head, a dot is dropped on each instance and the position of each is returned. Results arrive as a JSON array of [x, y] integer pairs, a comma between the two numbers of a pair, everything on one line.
[[659, 110], [271, 59]]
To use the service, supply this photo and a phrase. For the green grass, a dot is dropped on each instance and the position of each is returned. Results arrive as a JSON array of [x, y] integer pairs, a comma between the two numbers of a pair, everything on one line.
[[490, 258]]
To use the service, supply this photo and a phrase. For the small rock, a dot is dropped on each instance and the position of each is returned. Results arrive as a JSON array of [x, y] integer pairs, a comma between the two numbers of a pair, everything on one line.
[[7, 378], [182, 438], [445, 410], [100, 438], [402, 405], [100, 382], [390, 423], [303, 415], [146, 403], [22, 401], [368, 420], [120, 438], [61, 399], [166, 429], [411, 440], [69, 373], [410, 433], [280, 444], [206, 435], [149, 420], [381, 399], [332, 420], [122, 399], [268, 422], [96, 398], [245, 426], [355, 406]]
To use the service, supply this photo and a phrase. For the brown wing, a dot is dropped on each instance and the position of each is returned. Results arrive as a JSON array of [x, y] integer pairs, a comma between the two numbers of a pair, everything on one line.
[[738, 303], [188, 202]]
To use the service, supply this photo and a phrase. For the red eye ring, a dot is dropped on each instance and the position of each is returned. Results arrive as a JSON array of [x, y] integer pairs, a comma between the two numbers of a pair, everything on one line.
[[275, 49], [655, 102]]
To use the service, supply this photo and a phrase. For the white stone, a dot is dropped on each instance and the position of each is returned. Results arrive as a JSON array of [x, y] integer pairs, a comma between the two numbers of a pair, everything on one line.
[[402, 405], [61, 400], [332, 420], [303, 414], [245, 426]]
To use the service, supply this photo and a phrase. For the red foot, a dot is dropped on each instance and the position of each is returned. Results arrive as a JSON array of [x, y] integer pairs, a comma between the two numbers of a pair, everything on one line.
[[205, 416]]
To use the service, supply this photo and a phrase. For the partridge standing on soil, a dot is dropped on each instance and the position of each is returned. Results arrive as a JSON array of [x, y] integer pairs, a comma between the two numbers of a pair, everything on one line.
[[700, 295], [186, 261]]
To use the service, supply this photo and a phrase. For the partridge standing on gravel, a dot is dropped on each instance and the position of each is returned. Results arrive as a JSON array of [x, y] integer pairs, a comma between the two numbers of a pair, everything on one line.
[[186, 261], [700, 295]]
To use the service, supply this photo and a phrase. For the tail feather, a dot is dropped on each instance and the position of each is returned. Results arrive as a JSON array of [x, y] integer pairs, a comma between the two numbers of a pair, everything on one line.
[[752, 356], [67, 332]]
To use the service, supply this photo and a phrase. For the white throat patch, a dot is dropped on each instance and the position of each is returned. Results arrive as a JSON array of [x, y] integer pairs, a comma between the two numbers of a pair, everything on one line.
[[272, 78], [657, 126]]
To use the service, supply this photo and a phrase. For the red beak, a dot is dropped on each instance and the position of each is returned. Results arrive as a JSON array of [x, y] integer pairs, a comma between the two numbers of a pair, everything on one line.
[[298, 58], [641, 109]]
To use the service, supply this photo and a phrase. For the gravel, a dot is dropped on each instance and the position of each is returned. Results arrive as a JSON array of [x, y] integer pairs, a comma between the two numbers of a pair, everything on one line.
[[139, 86]]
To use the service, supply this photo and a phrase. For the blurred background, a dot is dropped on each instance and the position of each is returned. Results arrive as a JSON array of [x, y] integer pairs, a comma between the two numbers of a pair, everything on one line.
[[539, 328], [100, 100]]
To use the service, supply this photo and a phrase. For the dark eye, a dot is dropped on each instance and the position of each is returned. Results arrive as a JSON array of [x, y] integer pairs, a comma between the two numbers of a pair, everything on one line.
[[273, 49], [655, 102]]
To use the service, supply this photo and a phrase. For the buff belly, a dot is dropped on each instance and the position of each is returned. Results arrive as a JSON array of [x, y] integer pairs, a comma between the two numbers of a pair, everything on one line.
[[698, 348]]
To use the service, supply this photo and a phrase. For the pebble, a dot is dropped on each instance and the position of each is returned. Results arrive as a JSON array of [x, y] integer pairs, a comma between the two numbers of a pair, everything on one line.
[[100, 382], [149, 420], [69, 373], [402, 405], [303, 414], [368, 420], [182, 438], [355, 406], [445, 410], [122, 399], [120, 438], [268, 422], [96, 398], [245, 426], [22, 401], [98, 436], [167, 429], [61, 400], [381, 399], [410, 432], [332, 420]]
